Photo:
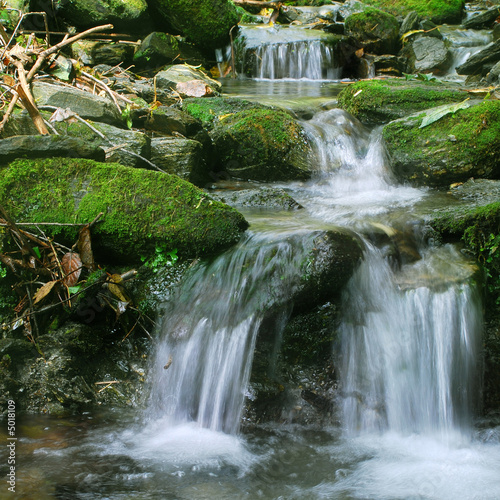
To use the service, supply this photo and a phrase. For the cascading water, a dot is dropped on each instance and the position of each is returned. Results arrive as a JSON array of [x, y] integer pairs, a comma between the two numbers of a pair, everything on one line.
[[409, 362], [296, 60], [410, 355], [203, 364]]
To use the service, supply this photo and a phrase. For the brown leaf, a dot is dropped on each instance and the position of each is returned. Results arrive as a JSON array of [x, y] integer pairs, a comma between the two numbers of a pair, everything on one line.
[[72, 268], [43, 291], [360, 52], [85, 248], [116, 288]]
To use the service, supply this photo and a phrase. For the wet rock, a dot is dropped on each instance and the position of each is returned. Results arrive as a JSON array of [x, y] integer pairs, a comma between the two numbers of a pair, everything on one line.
[[475, 64], [143, 209], [493, 76], [496, 32], [266, 197], [377, 31], [85, 104], [452, 149], [335, 256], [430, 29], [47, 146], [483, 20], [427, 55]]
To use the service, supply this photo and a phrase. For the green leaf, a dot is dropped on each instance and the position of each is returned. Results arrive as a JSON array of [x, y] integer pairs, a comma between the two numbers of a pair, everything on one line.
[[127, 116], [441, 111], [74, 289], [37, 252]]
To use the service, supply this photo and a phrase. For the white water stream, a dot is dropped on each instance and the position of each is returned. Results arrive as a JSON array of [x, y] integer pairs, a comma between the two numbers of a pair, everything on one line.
[[410, 365]]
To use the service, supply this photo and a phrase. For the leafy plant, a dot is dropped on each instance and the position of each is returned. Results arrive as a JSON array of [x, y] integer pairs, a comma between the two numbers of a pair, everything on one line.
[[162, 258], [490, 256]]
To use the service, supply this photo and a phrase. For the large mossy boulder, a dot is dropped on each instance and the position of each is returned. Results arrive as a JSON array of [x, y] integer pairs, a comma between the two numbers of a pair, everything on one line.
[[143, 209], [205, 22], [377, 31], [375, 101], [454, 148], [262, 144], [438, 11], [128, 15]]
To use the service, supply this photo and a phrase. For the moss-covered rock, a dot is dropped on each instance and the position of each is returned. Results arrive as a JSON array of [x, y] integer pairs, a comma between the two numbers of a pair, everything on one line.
[[142, 209], [376, 101], [131, 15], [377, 31], [262, 144], [209, 110], [438, 11], [452, 149], [205, 22]]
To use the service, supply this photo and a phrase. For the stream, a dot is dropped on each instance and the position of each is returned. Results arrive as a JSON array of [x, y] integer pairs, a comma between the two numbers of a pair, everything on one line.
[[409, 356]]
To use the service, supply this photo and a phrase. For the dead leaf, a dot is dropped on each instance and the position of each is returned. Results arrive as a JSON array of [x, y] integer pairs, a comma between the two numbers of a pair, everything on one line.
[[85, 248], [63, 115], [359, 53], [43, 291], [117, 289], [72, 268]]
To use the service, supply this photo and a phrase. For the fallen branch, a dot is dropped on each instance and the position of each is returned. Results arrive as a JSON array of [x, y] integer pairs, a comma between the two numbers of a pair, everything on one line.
[[256, 3]]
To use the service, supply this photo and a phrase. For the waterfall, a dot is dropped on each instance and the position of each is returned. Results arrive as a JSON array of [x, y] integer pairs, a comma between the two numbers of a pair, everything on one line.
[[202, 365], [410, 352], [312, 60]]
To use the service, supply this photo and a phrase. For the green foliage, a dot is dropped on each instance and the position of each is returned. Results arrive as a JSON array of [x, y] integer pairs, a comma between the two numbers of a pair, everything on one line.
[[127, 116], [487, 251], [161, 258]]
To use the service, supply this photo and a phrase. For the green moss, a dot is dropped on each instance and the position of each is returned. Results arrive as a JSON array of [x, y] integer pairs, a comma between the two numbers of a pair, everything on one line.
[[209, 109], [205, 22], [438, 11], [267, 141], [142, 209], [375, 101], [452, 149], [377, 30]]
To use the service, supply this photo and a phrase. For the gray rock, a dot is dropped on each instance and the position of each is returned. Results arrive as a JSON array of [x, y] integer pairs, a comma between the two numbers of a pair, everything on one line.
[[410, 23], [493, 77], [496, 32], [483, 20], [91, 52], [266, 197], [181, 73], [157, 48], [169, 120], [179, 156], [47, 146], [428, 55], [475, 63], [85, 104]]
